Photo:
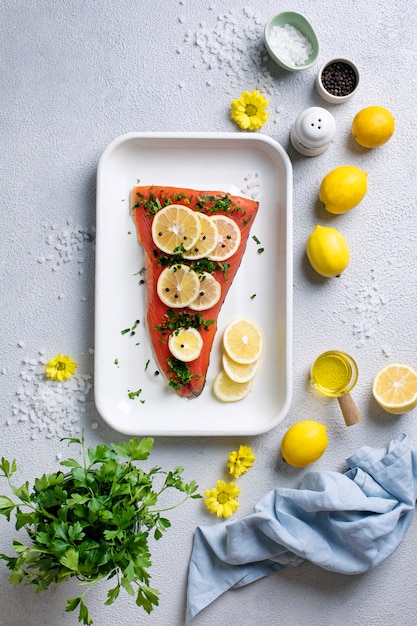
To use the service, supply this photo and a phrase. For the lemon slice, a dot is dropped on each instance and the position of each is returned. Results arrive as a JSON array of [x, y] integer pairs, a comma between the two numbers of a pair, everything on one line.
[[209, 293], [243, 341], [229, 238], [175, 225], [395, 388], [227, 390], [238, 372], [207, 240], [178, 286], [185, 344]]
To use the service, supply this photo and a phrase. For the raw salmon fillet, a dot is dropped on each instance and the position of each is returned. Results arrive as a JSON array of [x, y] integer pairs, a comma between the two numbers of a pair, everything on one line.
[[189, 380]]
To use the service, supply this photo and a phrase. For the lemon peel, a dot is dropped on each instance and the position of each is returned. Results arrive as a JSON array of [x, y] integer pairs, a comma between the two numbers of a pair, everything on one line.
[[304, 443], [343, 188], [328, 251], [373, 126]]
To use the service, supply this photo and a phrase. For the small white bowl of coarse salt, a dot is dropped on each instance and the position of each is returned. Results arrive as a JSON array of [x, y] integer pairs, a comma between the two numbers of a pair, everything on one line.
[[291, 41]]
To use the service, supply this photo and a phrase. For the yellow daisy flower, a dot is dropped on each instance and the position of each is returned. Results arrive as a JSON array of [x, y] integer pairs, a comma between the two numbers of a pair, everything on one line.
[[249, 111], [240, 461], [222, 499], [60, 368]]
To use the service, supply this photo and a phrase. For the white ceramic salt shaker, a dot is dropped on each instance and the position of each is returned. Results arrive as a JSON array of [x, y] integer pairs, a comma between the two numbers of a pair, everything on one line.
[[313, 131]]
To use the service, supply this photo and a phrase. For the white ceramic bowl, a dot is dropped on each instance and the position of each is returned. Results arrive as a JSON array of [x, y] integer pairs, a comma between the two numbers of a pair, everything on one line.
[[326, 93], [299, 22]]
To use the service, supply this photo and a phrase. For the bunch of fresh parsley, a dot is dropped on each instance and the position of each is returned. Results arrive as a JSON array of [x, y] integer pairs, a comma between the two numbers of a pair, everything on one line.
[[92, 522]]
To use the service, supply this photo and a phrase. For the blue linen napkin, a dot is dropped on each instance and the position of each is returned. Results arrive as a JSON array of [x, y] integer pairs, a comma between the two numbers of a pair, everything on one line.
[[346, 523]]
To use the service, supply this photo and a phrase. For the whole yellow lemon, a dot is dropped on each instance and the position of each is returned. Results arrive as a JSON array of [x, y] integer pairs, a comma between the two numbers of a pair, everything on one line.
[[327, 251], [304, 443], [373, 126], [343, 188]]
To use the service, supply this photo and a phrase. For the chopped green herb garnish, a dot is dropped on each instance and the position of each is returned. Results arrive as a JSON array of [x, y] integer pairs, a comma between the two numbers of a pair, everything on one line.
[[199, 266], [256, 240], [260, 250], [211, 204], [134, 394], [152, 205], [147, 364], [181, 371], [224, 267], [132, 329], [173, 321], [253, 296], [116, 362]]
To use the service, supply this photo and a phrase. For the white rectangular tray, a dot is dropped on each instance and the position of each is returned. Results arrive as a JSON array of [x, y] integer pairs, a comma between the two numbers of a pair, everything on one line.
[[241, 163]]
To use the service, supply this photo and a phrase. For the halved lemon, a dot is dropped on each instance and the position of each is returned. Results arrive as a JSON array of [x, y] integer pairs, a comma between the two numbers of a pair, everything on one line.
[[229, 238], [243, 341], [209, 293], [178, 286], [395, 388], [185, 344], [207, 240], [175, 225], [239, 372], [227, 390]]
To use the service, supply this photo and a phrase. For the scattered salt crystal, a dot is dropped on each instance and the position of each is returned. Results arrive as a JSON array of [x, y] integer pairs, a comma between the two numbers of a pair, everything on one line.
[[289, 44], [50, 408], [21, 344]]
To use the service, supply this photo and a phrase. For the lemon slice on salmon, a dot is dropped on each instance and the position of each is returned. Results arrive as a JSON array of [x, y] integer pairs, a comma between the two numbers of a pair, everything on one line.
[[207, 240], [227, 390], [243, 341], [175, 226], [229, 238], [185, 344], [209, 293], [178, 286]]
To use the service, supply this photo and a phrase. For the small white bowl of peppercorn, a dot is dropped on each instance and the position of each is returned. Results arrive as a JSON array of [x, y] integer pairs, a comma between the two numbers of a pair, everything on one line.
[[337, 80]]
